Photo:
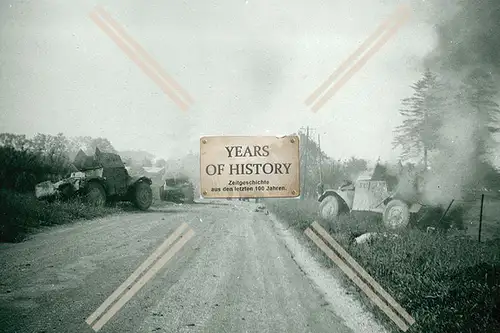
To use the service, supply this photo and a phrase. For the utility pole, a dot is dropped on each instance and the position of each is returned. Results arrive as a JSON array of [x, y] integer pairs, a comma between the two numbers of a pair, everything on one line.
[[302, 155], [320, 161], [306, 160]]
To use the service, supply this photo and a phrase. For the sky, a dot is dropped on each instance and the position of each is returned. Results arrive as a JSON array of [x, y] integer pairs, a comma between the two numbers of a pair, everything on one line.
[[249, 66]]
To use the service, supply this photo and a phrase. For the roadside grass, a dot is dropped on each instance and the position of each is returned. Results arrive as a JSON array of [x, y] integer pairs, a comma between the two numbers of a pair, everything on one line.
[[22, 214], [491, 219], [448, 282]]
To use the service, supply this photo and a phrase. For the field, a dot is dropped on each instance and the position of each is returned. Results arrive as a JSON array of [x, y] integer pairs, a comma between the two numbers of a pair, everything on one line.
[[448, 281]]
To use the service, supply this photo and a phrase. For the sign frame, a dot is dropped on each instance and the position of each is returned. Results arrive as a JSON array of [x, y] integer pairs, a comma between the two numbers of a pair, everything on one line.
[[250, 166]]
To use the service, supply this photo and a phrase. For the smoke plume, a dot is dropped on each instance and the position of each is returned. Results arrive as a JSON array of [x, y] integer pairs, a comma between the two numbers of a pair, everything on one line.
[[468, 40]]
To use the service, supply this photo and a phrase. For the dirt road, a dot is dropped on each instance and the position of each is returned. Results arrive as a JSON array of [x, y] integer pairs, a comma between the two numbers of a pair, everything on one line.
[[237, 274]]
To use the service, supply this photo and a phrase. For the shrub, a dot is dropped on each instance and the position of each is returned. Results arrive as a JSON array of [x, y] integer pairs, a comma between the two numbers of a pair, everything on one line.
[[22, 213], [21, 170]]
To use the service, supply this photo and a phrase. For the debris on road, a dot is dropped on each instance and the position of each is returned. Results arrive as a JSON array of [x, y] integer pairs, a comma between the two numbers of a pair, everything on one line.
[[261, 208]]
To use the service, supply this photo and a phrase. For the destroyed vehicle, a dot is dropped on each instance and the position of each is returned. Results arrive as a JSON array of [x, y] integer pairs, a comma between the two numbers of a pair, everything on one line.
[[396, 197], [100, 179], [177, 188]]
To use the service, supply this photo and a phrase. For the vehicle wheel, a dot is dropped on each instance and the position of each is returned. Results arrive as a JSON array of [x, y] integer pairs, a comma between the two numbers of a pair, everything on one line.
[[163, 196], [67, 192], [112, 203], [95, 195], [396, 215], [329, 208], [143, 196]]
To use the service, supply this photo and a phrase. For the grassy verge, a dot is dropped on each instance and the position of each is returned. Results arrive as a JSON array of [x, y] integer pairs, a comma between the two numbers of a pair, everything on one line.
[[21, 214], [447, 283]]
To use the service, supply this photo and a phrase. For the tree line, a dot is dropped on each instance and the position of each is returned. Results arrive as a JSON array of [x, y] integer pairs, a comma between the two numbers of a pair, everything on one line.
[[28, 161], [446, 125], [450, 123]]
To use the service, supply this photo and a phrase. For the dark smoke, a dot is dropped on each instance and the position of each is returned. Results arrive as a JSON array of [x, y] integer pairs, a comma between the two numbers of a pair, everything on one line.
[[468, 41], [470, 38]]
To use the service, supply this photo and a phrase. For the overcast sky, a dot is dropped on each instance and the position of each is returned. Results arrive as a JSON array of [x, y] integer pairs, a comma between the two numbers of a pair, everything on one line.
[[249, 65]]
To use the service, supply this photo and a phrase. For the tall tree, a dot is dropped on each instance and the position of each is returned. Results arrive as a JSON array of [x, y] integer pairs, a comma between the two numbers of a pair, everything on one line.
[[89, 144], [418, 135]]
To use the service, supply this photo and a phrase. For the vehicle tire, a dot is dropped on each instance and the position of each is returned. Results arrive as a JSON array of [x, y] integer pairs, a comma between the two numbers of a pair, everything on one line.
[[163, 195], [396, 215], [143, 196], [95, 194], [66, 191], [329, 208]]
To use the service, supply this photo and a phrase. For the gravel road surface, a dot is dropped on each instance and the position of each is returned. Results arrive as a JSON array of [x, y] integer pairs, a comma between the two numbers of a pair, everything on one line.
[[237, 274]]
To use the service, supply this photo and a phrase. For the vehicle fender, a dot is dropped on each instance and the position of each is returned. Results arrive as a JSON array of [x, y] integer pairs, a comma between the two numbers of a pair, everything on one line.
[[412, 207], [134, 180], [339, 194]]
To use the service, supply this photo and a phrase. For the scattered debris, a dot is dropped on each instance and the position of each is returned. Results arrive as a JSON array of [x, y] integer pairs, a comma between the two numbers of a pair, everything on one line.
[[157, 314], [261, 208], [366, 237]]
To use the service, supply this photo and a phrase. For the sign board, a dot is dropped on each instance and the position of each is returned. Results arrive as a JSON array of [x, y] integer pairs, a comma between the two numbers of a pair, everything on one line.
[[249, 167]]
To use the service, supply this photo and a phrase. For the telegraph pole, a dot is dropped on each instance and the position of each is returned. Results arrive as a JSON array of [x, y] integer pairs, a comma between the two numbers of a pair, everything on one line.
[[320, 161], [306, 160]]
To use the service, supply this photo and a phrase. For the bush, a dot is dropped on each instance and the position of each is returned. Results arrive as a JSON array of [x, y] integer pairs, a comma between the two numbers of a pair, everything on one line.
[[21, 170], [21, 214], [448, 284]]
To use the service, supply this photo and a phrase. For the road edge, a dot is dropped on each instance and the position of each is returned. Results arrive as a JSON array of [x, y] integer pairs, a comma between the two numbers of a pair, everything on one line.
[[356, 316]]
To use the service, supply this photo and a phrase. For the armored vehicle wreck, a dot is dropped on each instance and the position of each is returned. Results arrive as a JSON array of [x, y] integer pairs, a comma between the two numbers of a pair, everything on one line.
[[395, 195], [100, 179]]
